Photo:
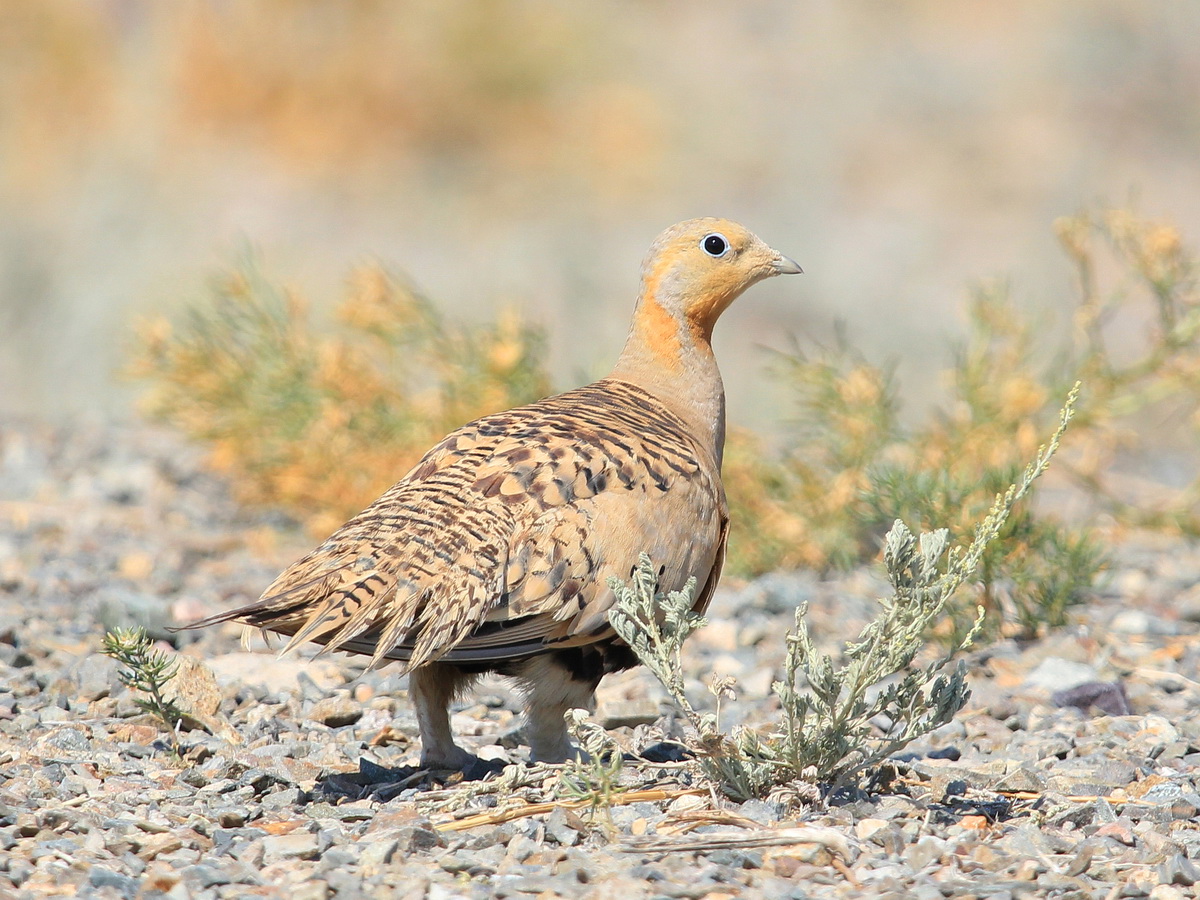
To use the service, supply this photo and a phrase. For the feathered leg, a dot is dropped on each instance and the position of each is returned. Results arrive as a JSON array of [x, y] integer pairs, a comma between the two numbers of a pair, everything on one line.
[[553, 684], [432, 687]]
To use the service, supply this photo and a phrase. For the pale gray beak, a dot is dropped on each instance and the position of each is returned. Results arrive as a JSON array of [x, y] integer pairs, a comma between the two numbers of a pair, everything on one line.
[[784, 266]]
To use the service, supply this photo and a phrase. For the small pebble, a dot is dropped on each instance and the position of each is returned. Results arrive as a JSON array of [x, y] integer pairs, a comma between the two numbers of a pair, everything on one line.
[[336, 712], [298, 845]]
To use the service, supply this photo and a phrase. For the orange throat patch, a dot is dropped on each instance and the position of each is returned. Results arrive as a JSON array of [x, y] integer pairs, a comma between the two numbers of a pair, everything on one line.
[[661, 332]]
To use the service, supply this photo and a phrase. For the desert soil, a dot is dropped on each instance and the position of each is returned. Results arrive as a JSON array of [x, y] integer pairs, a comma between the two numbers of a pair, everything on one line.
[[300, 783]]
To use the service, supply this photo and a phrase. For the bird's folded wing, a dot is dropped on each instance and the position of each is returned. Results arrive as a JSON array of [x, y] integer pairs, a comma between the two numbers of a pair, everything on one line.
[[501, 541]]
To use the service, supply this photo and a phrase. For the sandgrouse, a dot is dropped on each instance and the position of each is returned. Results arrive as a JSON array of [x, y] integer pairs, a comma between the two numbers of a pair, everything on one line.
[[495, 551]]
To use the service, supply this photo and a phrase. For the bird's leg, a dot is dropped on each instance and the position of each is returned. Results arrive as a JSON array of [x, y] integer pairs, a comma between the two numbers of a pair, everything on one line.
[[553, 684], [432, 687]]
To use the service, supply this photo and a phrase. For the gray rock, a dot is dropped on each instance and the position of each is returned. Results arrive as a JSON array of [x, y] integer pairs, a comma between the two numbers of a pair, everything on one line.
[[1187, 806], [205, 876], [1187, 604], [1095, 697], [120, 607], [95, 676], [1165, 792], [624, 816], [560, 829], [336, 712], [1144, 812], [737, 859], [1077, 814], [225, 838], [1030, 841], [50, 715], [19, 871], [1059, 884], [337, 858], [1167, 892], [459, 861], [1137, 621], [419, 838], [98, 876], [310, 691], [1056, 674], [778, 592], [1082, 859], [346, 884], [194, 777], [313, 889], [283, 799], [355, 811], [250, 853], [377, 853], [1022, 779], [69, 739], [761, 811], [1090, 776], [1104, 811], [548, 885], [245, 874], [297, 845], [928, 849]]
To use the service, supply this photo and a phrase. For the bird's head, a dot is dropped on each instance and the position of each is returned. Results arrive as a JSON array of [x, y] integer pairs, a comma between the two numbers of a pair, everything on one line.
[[697, 268]]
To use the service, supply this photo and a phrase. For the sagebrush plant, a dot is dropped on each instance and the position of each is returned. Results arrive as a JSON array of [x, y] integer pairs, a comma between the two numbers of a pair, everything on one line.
[[1135, 276], [840, 717], [595, 775], [852, 466], [318, 419], [793, 510], [147, 671], [853, 469]]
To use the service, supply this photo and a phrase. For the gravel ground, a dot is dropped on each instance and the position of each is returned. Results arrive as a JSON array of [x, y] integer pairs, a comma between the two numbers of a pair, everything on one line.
[[305, 788]]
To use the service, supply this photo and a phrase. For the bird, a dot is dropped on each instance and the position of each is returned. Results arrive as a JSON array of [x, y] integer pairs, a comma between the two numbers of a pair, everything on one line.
[[495, 552]]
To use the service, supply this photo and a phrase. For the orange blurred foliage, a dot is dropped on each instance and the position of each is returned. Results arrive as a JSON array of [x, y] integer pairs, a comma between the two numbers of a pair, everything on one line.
[[321, 422]]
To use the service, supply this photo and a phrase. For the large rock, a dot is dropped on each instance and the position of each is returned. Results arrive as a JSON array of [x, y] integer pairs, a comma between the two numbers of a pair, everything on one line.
[[1057, 674]]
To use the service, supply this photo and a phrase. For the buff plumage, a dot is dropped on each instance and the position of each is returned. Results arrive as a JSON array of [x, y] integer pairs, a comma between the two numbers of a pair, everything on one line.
[[495, 551]]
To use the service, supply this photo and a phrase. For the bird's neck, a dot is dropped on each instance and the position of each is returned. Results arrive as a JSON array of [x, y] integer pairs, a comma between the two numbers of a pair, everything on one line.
[[671, 358]]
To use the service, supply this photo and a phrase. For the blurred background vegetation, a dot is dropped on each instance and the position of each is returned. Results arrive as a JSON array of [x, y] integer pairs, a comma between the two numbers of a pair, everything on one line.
[[318, 419], [446, 204], [523, 154]]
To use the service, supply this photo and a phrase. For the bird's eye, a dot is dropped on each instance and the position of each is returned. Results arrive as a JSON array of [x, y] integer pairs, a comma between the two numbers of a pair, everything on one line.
[[715, 245]]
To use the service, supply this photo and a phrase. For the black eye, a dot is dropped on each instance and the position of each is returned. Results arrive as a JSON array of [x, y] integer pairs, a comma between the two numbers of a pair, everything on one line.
[[715, 245]]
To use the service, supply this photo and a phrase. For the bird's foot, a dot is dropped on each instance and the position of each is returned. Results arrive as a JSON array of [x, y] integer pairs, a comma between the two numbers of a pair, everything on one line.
[[471, 767], [452, 757]]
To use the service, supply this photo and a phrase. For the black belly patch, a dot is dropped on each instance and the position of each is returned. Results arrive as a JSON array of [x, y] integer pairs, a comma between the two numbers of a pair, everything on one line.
[[584, 664], [591, 663]]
